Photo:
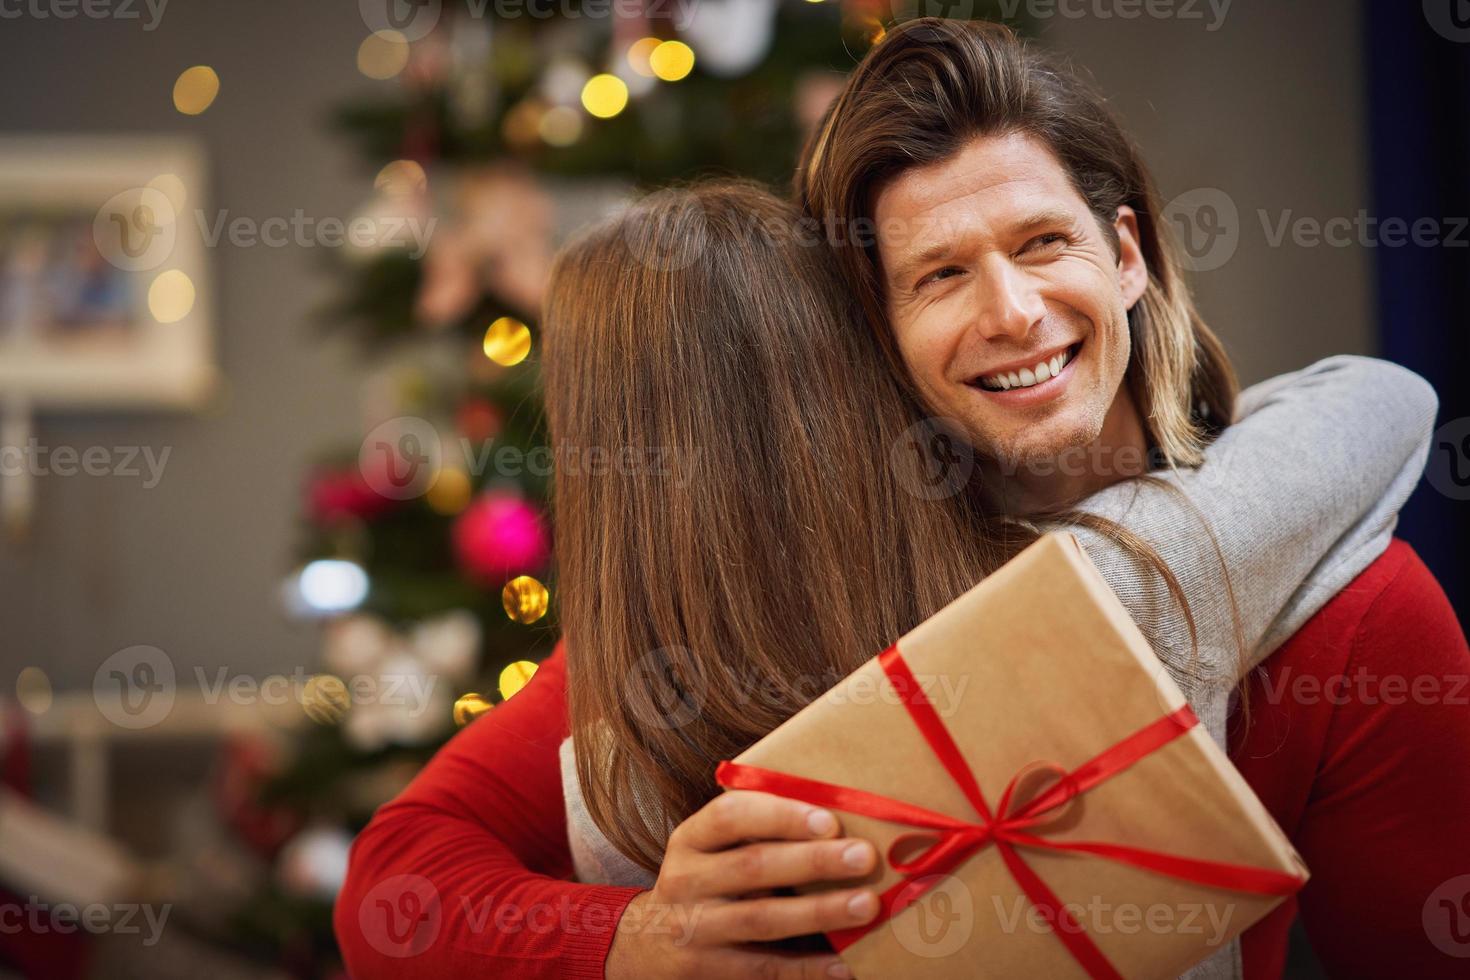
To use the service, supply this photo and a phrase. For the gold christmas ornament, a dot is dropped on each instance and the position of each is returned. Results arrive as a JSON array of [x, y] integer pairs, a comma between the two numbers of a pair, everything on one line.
[[508, 341], [525, 599], [325, 699], [468, 707], [515, 676], [450, 492]]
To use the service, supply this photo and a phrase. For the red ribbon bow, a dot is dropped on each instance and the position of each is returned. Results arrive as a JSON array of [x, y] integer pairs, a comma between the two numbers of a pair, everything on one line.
[[956, 840]]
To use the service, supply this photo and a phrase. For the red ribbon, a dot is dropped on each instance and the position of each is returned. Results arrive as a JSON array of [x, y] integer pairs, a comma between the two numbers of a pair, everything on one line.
[[1008, 827]]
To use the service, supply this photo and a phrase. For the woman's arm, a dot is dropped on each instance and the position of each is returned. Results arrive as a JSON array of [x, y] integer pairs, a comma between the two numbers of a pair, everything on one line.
[[1302, 492], [465, 873]]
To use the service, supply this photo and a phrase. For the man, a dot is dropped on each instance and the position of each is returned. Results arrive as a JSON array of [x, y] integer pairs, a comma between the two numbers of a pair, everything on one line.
[[1015, 268]]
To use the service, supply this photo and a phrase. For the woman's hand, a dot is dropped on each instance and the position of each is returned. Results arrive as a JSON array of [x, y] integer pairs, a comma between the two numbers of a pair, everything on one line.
[[711, 899]]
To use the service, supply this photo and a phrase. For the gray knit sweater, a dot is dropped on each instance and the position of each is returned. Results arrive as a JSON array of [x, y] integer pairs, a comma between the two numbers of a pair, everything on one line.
[[1302, 493]]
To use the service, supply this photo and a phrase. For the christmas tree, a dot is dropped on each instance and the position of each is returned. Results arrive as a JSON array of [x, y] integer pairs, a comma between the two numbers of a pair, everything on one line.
[[425, 548]]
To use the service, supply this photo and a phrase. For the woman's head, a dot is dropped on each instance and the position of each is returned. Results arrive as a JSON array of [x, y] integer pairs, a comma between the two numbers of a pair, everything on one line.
[[762, 517]]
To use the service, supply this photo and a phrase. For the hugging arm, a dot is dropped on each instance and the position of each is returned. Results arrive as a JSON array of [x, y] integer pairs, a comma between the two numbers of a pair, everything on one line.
[[466, 873], [1301, 493]]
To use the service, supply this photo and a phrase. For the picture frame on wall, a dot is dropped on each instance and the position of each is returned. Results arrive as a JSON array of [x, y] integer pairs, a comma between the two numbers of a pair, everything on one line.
[[105, 291]]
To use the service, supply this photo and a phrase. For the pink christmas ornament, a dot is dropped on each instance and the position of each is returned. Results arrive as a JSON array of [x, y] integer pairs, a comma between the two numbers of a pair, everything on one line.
[[499, 536]]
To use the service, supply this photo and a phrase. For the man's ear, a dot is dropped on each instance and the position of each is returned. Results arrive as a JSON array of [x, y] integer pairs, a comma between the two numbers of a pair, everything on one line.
[[1132, 270]]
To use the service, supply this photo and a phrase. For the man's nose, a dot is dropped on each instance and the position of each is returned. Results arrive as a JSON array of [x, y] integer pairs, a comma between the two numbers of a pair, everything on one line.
[[1007, 302]]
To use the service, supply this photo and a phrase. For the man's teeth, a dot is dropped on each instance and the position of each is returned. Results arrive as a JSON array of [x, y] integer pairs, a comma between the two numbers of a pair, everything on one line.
[[1026, 377]]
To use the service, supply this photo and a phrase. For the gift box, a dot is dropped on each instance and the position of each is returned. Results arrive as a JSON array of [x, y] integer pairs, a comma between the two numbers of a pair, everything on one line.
[[1043, 800]]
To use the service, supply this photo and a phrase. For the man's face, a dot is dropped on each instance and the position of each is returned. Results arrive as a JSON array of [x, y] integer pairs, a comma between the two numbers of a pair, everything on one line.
[[996, 275]]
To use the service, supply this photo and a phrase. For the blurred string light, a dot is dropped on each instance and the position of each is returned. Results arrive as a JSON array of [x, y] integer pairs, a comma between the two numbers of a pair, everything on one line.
[[325, 699], [671, 60], [171, 296], [638, 55], [33, 690], [521, 126], [195, 90], [515, 676], [560, 126], [525, 599], [401, 179], [382, 55], [327, 586], [451, 491], [604, 96], [507, 341], [468, 707]]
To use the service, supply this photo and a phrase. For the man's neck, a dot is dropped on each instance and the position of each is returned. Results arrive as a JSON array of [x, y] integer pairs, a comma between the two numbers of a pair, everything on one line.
[[1119, 452]]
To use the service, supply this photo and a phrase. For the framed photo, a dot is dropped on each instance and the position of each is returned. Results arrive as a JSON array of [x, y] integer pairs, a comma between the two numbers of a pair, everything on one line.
[[105, 294]]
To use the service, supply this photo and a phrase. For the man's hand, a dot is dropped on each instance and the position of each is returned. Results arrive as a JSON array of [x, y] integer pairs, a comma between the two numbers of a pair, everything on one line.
[[712, 897]]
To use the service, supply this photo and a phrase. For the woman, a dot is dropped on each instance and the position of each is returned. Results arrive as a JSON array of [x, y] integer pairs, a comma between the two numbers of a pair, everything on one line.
[[704, 602]]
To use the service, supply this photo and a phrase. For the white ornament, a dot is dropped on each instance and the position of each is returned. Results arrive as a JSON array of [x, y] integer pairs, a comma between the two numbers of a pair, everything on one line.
[[730, 37]]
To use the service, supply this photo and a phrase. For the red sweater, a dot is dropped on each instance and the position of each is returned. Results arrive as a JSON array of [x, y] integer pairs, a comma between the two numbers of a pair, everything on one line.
[[1353, 723]]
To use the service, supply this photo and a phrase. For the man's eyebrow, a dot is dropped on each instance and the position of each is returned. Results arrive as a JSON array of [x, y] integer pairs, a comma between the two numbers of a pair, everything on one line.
[[1044, 218], [941, 247]]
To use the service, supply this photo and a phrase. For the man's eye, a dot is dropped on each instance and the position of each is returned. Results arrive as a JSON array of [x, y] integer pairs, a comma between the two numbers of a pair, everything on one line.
[[1041, 242], [938, 274]]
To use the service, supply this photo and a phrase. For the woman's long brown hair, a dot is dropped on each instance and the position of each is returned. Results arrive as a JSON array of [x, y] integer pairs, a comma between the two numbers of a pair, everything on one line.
[[764, 518]]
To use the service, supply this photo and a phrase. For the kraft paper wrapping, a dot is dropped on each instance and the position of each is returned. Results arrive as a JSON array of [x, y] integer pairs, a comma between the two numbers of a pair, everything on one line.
[[1038, 662]]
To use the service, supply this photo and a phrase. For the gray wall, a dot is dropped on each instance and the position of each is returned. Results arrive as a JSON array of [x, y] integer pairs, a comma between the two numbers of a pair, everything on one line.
[[1265, 108], [193, 565]]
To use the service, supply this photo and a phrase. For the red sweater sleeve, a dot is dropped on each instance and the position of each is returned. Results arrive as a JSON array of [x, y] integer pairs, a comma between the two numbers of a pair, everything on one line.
[[466, 873], [1359, 745]]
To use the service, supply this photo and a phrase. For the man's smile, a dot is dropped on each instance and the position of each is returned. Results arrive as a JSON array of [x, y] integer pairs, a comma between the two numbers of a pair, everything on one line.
[[1030, 380]]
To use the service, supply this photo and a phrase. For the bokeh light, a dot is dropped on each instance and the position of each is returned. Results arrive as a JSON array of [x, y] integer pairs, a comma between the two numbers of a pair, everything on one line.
[[560, 125], [382, 55], [638, 55], [195, 90], [671, 60], [402, 178], [33, 690], [331, 585], [451, 491], [604, 96], [171, 296]]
